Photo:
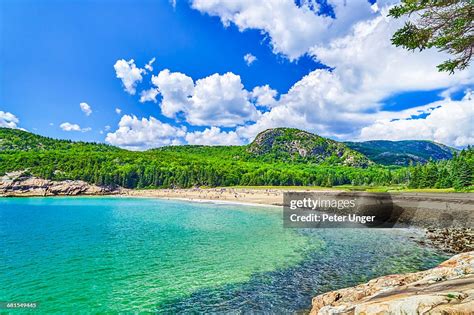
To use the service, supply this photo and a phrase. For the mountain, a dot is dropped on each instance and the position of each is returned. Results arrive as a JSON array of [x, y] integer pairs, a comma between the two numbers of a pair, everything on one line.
[[289, 144], [402, 152]]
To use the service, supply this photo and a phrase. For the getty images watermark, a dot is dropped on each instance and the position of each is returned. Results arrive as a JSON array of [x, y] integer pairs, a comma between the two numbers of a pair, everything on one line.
[[376, 210]]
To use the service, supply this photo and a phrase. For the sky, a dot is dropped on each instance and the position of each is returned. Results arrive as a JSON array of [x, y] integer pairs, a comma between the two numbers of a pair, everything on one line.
[[147, 73]]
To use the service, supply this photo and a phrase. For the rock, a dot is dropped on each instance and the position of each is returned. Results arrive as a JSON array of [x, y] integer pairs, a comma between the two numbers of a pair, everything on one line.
[[453, 240], [22, 184], [446, 289]]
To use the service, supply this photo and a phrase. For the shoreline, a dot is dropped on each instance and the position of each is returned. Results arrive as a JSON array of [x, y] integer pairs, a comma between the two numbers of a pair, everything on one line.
[[450, 240], [362, 296]]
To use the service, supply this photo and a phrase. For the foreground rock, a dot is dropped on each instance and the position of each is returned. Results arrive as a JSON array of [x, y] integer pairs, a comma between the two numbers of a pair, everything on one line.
[[20, 184], [446, 289]]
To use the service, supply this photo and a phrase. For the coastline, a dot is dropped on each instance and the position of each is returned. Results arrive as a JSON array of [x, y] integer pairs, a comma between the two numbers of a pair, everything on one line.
[[267, 197], [419, 209]]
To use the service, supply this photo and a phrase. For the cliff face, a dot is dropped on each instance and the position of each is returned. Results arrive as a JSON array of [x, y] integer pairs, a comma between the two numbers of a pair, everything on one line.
[[446, 289], [18, 184]]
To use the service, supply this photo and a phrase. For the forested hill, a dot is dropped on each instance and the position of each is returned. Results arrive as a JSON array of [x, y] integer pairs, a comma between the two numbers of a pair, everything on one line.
[[289, 144], [19, 140], [277, 157], [403, 152]]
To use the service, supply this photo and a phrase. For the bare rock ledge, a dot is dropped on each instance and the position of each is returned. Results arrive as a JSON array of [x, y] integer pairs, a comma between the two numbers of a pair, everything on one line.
[[445, 289], [18, 184]]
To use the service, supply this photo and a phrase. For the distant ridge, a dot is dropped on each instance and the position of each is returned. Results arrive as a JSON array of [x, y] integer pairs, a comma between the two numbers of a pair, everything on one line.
[[402, 152]]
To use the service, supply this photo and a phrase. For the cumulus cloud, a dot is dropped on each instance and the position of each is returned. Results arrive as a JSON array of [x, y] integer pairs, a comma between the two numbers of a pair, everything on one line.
[[292, 29], [370, 68], [118, 111], [340, 102], [129, 73], [213, 136], [264, 95], [8, 120], [366, 69], [249, 59], [140, 134], [218, 100], [175, 89], [86, 109], [66, 126], [447, 121], [148, 95]]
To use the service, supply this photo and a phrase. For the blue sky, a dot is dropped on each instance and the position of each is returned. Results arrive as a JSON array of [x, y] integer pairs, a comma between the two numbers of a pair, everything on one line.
[[57, 54]]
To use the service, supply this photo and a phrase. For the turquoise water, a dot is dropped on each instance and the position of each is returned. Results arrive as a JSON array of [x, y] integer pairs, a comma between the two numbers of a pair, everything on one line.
[[131, 254]]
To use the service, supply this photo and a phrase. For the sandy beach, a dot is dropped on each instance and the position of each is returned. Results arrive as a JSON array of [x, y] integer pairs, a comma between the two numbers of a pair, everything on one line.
[[272, 197]]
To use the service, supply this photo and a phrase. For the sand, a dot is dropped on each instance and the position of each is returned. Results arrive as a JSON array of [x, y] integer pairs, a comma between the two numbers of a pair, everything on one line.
[[272, 197]]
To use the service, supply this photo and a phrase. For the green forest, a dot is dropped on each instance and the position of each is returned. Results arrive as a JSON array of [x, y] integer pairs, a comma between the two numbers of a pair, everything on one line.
[[211, 166]]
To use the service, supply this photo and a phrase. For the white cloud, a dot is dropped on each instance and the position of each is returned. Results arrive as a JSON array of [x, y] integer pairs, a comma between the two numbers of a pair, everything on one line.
[[8, 120], [367, 69], [264, 95], [140, 134], [175, 89], [448, 122], [249, 59], [218, 100], [148, 95], [70, 127], [213, 136], [66, 126], [292, 29], [118, 111], [149, 65], [130, 75], [86, 109]]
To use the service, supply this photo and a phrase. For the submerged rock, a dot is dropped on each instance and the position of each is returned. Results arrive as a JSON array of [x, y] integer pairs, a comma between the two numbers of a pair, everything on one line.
[[445, 289], [21, 184]]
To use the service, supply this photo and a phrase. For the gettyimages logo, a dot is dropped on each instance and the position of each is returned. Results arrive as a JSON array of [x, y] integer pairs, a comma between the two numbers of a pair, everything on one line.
[[374, 210]]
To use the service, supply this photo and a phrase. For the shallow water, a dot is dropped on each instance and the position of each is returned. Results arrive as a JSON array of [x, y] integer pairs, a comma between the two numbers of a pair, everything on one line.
[[136, 254]]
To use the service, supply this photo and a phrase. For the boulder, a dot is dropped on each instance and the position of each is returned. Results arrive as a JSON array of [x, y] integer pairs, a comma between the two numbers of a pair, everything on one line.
[[445, 289]]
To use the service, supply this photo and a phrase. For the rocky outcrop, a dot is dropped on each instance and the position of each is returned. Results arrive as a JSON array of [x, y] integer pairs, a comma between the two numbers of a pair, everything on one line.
[[446, 289], [289, 144], [21, 184]]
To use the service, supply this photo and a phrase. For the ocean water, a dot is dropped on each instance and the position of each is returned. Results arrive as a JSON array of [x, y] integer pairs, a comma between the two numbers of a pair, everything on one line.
[[95, 254]]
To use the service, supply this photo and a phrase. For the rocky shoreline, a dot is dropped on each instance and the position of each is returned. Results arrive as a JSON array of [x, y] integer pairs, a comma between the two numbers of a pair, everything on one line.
[[18, 184], [445, 289]]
